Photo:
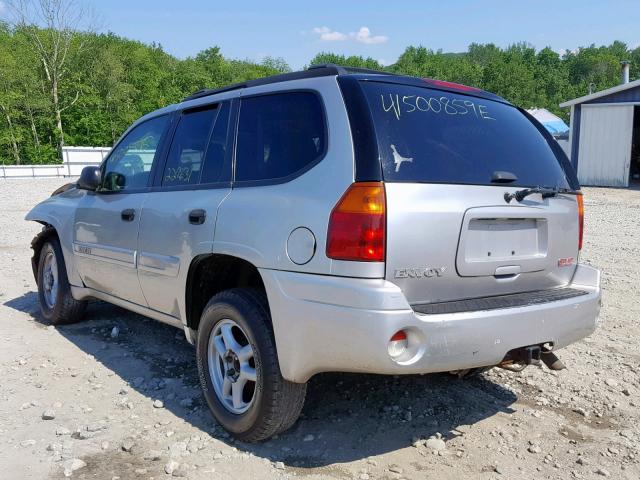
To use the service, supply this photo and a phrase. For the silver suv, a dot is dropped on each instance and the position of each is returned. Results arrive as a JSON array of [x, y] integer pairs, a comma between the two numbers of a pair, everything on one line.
[[328, 220]]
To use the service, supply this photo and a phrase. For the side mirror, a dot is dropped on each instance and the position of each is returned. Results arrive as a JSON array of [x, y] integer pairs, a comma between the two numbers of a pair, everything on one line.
[[114, 181], [89, 178]]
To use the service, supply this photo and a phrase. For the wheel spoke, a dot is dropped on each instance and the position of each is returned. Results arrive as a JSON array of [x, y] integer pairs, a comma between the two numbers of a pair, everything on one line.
[[248, 373], [245, 353], [229, 340], [226, 387], [219, 346], [236, 391]]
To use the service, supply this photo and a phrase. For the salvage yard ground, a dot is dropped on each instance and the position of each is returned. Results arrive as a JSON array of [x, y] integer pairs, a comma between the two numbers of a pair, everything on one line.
[[117, 395]]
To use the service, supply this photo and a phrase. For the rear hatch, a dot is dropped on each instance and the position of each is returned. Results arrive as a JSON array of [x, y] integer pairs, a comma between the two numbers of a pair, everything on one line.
[[448, 158]]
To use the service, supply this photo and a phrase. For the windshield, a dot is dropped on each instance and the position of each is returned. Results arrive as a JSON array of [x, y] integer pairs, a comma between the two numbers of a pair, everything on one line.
[[433, 136]]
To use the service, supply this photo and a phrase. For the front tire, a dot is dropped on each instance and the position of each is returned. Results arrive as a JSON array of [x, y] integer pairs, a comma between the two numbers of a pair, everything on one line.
[[239, 370], [57, 305]]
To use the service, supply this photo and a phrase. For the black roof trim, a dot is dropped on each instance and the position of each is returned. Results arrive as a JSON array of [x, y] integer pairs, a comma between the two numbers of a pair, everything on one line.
[[283, 77], [324, 70]]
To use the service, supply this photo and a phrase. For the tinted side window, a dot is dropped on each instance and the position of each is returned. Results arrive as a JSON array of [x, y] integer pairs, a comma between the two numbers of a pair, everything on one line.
[[129, 164], [188, 146], [278, 135], [214, 169]]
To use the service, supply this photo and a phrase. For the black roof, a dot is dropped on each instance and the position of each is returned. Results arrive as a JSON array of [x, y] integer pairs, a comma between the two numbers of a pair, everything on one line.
[[329, 69]]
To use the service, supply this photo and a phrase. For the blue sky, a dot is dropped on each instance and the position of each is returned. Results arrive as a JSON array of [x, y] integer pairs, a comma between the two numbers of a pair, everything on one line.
[[297, 30]]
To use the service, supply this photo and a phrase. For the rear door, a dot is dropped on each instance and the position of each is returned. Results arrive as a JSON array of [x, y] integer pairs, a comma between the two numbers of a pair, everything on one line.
[[179, 215], [450, 232]]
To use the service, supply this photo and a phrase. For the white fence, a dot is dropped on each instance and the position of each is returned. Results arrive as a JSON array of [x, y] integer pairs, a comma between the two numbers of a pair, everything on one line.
[[74, 159]]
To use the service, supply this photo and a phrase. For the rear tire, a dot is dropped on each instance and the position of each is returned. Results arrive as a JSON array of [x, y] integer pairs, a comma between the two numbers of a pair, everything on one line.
[[57, 305], [237, 322]]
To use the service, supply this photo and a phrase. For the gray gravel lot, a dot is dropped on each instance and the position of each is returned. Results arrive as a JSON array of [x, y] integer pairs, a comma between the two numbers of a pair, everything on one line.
[[76, 400]]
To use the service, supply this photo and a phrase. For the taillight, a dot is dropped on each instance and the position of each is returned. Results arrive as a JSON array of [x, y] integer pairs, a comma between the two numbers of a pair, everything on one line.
[[357, 224], [580, 200]]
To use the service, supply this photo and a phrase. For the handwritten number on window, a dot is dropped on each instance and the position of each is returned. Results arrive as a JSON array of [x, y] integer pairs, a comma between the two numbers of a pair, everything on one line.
[[437, 105]]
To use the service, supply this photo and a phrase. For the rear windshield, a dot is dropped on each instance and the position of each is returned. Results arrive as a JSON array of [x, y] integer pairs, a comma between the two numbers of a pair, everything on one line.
[[433, 136]]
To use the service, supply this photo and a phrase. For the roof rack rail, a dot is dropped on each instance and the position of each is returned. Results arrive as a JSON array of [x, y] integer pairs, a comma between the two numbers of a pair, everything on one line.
[[205, 92], [345, 70], [283, 77], [313, 71]]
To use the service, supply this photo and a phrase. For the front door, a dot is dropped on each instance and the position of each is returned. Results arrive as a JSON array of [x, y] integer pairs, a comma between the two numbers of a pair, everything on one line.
[[179, 216], [106, 223], [105, 236]]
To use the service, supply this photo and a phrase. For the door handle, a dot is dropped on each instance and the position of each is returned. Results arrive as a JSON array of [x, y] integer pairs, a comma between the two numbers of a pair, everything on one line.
[[197, 217], [128, 214]]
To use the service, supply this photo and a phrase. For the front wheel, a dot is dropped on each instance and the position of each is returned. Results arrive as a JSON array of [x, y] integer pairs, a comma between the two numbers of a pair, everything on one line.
[[54, 292], [239, 370]]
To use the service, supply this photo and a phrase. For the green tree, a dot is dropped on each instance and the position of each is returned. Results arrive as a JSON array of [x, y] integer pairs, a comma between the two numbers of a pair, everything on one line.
[[104, 88], [53, 45], [352, 61]]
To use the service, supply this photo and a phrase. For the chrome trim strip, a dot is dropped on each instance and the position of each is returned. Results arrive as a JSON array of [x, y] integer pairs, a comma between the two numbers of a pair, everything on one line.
[[160, 264], [117, 255]]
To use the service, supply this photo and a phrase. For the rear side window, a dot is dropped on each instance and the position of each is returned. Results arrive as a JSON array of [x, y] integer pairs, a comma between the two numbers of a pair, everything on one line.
[[188, 147], [432, 136], [279, 135]]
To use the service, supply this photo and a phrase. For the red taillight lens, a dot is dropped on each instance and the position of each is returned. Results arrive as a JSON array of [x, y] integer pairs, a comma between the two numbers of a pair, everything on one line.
[[357, 224], [580, 200], [399, 336]]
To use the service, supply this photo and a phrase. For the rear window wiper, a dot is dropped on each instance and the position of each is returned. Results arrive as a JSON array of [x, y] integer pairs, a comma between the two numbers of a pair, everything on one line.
[[545, 191]]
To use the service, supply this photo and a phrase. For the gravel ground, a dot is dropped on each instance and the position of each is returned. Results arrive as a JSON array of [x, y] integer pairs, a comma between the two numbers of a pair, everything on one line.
[[80, 401]]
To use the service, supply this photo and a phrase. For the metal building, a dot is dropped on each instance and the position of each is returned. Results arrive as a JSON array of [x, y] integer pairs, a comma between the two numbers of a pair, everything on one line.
[[604, 137]]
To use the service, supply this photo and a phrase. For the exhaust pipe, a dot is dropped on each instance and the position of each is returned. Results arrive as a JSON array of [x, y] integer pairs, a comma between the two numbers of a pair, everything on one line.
[[552, 362]]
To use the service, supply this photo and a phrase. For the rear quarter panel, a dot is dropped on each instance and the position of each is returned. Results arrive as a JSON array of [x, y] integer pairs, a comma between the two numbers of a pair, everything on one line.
[[254, 222]]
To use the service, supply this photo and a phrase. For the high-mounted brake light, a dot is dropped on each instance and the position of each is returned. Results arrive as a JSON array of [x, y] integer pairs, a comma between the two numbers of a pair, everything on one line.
[[452, 85], [357, 224], [580, 200]]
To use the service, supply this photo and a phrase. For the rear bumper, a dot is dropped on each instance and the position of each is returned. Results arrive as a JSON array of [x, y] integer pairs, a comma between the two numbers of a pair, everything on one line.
[[324, 323]]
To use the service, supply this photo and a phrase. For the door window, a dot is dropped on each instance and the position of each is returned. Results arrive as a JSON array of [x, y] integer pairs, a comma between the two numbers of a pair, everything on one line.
[[213, 169], [129, 165], [188, 147], [279, 135]]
